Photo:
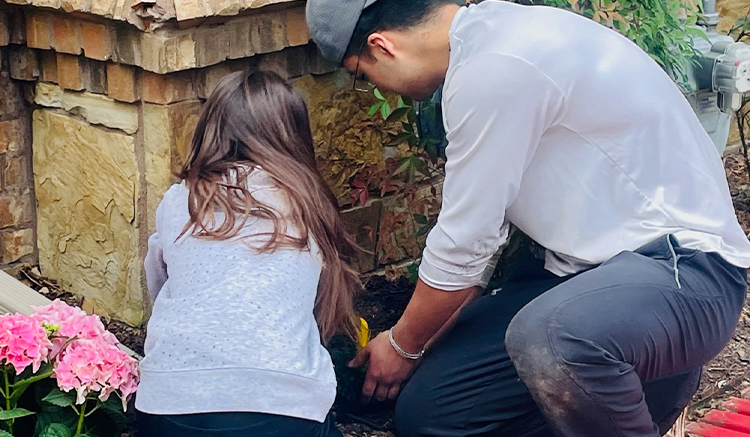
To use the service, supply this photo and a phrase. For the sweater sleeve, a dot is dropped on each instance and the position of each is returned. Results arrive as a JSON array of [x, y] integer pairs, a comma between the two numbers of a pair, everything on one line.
[[496, 109], [154, 265]]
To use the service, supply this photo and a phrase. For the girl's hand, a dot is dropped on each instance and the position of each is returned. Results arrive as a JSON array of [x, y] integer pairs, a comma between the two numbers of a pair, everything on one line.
[[387, 371]]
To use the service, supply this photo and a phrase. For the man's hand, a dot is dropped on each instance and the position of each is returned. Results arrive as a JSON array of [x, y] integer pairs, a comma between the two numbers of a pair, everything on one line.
[[387, 370], [429, 313]]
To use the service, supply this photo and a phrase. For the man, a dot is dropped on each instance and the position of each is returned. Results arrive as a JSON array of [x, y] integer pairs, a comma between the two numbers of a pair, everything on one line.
[[570, 132]]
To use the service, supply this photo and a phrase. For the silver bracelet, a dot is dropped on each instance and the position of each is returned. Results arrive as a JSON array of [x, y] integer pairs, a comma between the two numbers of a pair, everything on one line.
[[402, 352]]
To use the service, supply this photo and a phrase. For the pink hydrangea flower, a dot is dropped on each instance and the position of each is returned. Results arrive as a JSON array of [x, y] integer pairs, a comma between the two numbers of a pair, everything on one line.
[[23, 342], [72, 322], [95, 365]]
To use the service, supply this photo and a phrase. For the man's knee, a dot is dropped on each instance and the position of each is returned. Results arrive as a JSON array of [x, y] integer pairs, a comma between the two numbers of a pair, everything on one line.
[[526, 334]]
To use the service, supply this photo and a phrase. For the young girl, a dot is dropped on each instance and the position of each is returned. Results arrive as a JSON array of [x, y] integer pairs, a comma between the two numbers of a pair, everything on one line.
[[249, 270]]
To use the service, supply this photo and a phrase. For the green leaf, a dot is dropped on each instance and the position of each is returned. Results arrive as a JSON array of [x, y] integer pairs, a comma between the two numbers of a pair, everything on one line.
[[398, 113], [56, 430], [405, 163], [59, 398], [697, 32], [378, 94], [113, 409], [420, 219], [14, 413], [422, 231], [421, 167], [399, 139], [374, 108], [385, 110], [5, 433], [51, 413]]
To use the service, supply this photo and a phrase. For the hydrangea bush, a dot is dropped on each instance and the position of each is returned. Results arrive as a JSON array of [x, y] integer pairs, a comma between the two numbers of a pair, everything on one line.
[[76, 367]]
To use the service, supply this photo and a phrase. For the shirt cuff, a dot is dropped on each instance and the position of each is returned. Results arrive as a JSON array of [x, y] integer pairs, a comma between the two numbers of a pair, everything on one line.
[[448, 277]]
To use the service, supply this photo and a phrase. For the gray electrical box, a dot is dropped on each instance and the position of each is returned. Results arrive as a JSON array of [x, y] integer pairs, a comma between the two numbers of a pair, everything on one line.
[[719, 79]]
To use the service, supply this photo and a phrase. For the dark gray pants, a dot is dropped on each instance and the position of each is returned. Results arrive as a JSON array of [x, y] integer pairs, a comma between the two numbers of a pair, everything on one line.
[[614, 351]]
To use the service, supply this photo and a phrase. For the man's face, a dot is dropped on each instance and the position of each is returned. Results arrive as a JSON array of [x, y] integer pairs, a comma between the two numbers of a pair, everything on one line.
[[400, 73]]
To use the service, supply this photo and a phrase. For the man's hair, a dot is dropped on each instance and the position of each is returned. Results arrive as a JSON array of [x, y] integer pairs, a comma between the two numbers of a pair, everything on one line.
[[393, 15]]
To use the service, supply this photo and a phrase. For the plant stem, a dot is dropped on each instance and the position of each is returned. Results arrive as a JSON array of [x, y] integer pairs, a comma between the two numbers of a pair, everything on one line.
[[81, 415], [33, 379], [8, 407], [93, 410], [741, 127]]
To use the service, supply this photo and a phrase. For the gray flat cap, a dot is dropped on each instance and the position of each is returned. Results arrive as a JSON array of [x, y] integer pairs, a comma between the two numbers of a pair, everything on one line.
[[332, 24]]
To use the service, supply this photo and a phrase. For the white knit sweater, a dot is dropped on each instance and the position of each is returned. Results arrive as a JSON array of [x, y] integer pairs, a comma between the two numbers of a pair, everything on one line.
[[232, 329]]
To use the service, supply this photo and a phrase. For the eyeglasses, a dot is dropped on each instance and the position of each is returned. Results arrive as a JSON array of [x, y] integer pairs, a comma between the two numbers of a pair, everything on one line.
[[359, 84]]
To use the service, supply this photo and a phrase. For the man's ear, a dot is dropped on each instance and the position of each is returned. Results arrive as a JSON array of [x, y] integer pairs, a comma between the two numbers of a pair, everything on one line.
[[381, 43]]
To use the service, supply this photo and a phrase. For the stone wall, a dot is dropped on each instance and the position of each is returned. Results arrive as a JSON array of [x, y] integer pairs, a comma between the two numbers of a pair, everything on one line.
[[112, 110], [730, 11], [17, 215]]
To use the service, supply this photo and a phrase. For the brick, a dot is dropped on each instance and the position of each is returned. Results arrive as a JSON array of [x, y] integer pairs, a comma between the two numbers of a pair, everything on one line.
[[277, 62], [17, 175], [127, 48], [39, 30], [13, 135], [4, 29], [66, 35], [96, 80], [297, 32], [179, 53], [71, 71], [122, 83], [243, 33], [48, 66], [96, 41], [49, 95], [17, 244], [153, 52], [297, 61], [741, 406], [24, 64], [728, 420], [18, 27], [211, 45], [11, 97], [271, 35], [166, 88], [705, 430], [319, 64], [101, 110], [14, 210], [208, 78]]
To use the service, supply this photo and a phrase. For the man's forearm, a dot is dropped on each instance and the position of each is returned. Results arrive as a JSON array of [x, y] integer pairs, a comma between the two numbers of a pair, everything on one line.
[[428, 311]]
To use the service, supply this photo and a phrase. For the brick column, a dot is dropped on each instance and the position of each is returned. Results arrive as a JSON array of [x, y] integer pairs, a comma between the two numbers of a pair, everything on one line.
[[17, 216]]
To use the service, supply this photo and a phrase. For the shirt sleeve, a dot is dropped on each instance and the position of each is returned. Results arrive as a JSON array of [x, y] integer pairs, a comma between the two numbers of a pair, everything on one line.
[[154, 265], [496, 108]]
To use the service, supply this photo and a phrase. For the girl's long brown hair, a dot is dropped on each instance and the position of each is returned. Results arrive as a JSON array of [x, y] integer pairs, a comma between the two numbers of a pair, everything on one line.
[[258, 120]]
